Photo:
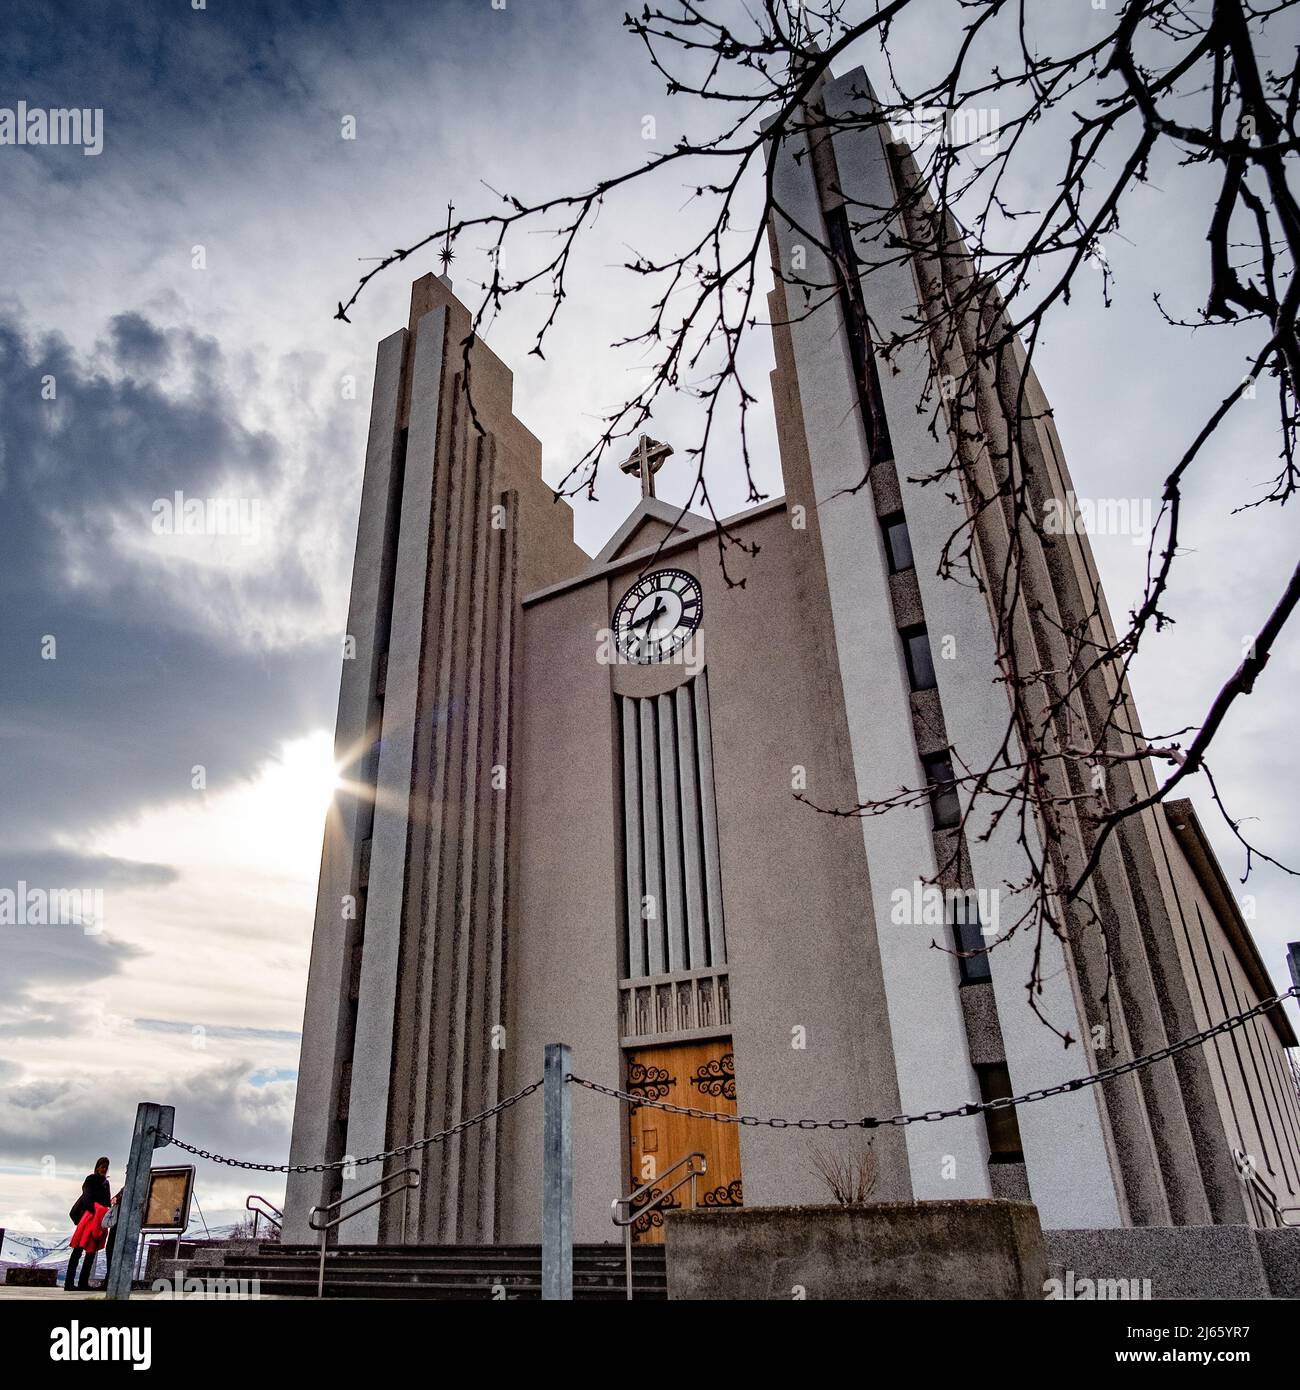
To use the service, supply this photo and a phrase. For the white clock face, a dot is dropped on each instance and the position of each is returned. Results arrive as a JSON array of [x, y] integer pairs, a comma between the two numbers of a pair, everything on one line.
[[657, 615]]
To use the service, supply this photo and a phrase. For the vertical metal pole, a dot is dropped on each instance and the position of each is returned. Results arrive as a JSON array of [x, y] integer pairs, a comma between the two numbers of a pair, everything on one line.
[[557, 1175], [153, 1129], [627, 1256], [320, 1277]]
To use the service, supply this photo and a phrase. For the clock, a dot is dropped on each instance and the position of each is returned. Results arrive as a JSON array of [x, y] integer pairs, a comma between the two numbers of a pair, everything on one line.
[[658, 615]]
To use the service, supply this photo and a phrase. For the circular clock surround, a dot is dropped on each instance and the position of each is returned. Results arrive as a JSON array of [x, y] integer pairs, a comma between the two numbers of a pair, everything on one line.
[[658, 615]]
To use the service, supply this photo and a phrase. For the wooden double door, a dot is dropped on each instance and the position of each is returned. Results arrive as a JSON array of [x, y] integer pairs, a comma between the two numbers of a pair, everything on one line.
[[700, 1075]]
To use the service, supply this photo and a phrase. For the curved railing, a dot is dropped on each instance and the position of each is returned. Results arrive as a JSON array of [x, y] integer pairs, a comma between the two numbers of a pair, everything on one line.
[[325, 1227], [635, 1214]]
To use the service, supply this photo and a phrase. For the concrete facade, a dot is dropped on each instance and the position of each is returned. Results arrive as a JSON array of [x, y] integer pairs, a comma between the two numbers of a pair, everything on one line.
[[515, 798]]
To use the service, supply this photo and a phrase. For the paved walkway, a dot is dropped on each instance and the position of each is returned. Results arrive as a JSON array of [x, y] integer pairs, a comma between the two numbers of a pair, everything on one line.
[[26, 1291]]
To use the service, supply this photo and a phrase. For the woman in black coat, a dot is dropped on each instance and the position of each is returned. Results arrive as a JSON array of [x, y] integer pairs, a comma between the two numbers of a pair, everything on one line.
[[95, 1192]]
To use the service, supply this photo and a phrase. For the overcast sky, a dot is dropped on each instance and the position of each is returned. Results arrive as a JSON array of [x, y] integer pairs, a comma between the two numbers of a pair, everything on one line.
[[223, 131]]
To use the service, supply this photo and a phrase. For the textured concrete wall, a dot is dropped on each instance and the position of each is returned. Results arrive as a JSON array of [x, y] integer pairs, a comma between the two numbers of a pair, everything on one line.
[[986, 1249], [1248, 1069], [441, 562], [563, 959], [327, 1014], [1280, 1252], [1065, 1139], [806, 987], [395, 809], [1178, 1261], [925, 1017]]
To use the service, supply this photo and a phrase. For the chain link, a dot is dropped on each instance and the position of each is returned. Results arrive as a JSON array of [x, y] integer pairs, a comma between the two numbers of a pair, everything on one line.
[[971, 1107], [424, 1143]]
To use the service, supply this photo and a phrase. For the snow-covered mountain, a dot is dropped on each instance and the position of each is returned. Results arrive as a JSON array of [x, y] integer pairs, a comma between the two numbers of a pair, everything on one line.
[[34, 1248], [45, 1249]]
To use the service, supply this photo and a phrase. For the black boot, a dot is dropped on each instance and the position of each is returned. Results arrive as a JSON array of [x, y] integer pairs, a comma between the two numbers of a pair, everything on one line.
[[108, 1258], [73, 1259], [87, 1267]]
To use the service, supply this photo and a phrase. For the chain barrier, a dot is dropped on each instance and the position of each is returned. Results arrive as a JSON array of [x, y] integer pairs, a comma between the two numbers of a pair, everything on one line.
[[774, 1122], [459, 1127], [972, 1107]]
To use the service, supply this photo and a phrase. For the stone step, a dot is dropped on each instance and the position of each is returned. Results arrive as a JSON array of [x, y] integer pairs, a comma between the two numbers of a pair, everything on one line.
[[462, 1290], [450, 1272], [641, 1253], [504, 1273], [301, 1282]]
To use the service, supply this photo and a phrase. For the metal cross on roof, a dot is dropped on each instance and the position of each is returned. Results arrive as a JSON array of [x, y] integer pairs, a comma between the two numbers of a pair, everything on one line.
[[645, 461], [447, 255]]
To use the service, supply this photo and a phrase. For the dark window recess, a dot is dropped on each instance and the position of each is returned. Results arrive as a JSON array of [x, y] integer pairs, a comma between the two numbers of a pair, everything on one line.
[[920, 664], [1002, 1126], [945, 806], [968, 935], [898, 544], [354, 974], [345, 1090], [847, 271]]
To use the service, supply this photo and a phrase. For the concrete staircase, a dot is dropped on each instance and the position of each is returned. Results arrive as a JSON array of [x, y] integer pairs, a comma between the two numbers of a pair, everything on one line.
[[448, 1272]]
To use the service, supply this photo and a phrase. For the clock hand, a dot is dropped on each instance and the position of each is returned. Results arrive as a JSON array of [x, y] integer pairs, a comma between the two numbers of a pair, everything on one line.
[[649, 617]]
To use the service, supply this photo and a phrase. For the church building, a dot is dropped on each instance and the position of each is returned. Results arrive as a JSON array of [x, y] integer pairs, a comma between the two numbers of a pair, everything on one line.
[[575, 808]]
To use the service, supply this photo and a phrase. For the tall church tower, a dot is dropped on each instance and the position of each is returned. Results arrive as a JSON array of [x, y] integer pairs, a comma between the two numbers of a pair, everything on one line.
[[1149, 1149], [407, 976], [570, 814]]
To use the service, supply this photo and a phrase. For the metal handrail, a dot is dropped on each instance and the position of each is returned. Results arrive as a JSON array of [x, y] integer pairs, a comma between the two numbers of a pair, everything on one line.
[[1261, 1193], [268, 1209], [692, 1172], [413, 1174]]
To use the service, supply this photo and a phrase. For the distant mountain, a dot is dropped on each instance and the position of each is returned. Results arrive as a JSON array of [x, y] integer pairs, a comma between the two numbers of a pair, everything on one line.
[[45, 1249], [33, 1247]]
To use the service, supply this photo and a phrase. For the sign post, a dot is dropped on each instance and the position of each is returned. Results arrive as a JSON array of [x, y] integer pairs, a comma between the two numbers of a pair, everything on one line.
[[557, 1175], [153, 1129]]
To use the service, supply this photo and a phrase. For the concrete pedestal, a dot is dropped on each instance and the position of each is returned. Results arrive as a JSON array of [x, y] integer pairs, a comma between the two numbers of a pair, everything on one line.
[[982, 1248]]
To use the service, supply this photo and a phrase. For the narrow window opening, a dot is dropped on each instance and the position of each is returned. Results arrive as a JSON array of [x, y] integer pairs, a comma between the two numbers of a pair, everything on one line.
[[945, 804], [1001, 1125], [898, 544], [920, 663]]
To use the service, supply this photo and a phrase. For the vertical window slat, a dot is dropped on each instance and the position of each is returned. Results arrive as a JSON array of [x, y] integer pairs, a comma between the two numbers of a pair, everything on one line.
[[633, 853], [669, 799], [656, 956], [692, 829], [709, 818]]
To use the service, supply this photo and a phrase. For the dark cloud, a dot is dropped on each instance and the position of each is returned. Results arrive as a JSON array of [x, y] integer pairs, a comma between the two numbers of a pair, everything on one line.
[[217, 1105], [137, 693], [63, 868], [113, 438], [65, 959], [139, 346]]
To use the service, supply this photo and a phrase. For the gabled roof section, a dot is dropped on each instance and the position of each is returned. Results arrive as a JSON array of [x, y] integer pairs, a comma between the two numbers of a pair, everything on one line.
[[649, 524]]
